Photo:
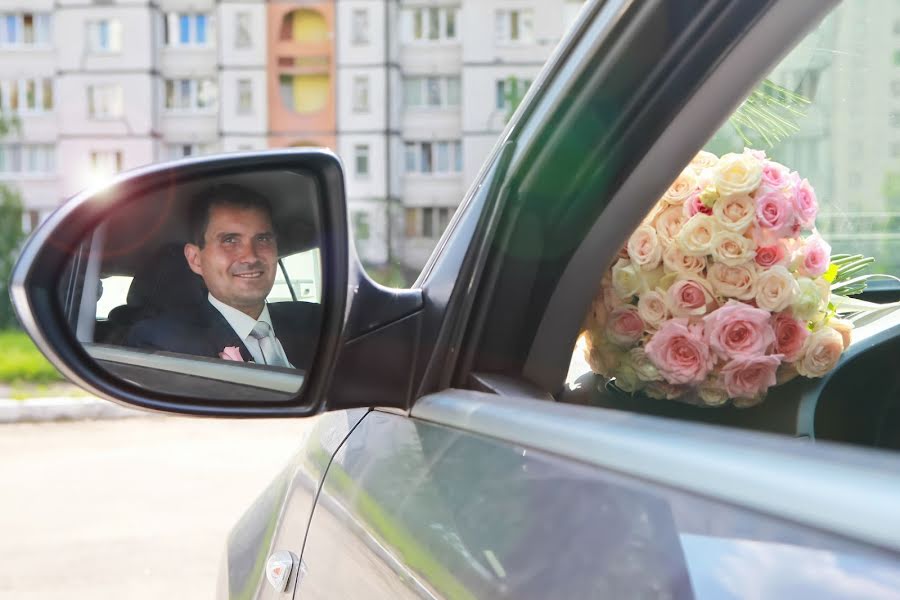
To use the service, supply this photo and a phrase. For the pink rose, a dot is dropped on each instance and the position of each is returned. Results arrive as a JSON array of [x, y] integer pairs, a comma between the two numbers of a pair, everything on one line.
[[624, 326], [231, 353], [738, 330], [689, 297], [805, 204], [774, 175], [815, 254], [750, 377], [678, 351], [790, 335], [774, 213], [693, 205], [769, 256]]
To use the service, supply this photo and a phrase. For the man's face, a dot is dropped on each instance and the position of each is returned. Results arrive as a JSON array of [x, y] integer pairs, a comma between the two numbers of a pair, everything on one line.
[[239, 258]]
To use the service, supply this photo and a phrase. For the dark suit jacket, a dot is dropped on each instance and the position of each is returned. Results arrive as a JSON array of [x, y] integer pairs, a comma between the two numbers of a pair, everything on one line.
[[205, 332]]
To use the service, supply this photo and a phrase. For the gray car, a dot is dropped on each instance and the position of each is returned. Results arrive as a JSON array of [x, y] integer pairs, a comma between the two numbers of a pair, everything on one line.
[[461, 451]]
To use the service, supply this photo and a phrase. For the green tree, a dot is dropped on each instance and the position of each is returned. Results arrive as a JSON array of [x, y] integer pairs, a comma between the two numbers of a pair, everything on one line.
[[10, 235]]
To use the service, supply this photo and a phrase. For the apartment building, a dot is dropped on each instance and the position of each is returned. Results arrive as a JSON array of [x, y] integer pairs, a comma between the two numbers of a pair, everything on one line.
[[411, 94]]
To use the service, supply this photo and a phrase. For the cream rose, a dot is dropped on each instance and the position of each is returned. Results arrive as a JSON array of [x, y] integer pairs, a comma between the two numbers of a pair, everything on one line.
[[732, 248], [644, 248], [668, 223], [733, 281], [821, 352], [737, 174], [776, 289], [843, 327], [642, 365], [712, 393], [704, 160], [808, 303], [652, 308], [626, 280], [683, 186], [696, 235], [735, 213], [677, 261]]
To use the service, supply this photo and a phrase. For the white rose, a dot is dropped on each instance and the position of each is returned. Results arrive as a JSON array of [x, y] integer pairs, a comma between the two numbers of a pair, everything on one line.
[[650, 280], [627, 379], [652, 308], [704, 160], [735, 213], [625, 279], [808, 303], [737, 174], [821, 352], [644, 249], [733, 281], [677, 261], [683, 186], [712, 394], [732, 248], [776, 289], [696, 235], [642, 365], [668, 223]]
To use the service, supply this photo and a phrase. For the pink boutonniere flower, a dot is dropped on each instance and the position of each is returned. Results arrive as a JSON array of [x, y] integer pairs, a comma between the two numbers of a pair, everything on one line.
[[231, 353]]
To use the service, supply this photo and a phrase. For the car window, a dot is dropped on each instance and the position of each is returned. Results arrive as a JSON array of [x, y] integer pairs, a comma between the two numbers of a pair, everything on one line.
[[113, 293], [773, 223], [304, 278]]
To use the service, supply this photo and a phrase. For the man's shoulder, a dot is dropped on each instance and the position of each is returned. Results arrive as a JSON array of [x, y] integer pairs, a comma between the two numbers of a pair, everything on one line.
[[166, 328]]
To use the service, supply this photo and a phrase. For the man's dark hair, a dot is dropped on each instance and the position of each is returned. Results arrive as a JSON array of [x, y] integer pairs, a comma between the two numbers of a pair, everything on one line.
[[223, 194]]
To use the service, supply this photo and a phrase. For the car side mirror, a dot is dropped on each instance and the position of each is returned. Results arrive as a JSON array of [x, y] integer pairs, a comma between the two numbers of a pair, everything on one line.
[[212, 286]]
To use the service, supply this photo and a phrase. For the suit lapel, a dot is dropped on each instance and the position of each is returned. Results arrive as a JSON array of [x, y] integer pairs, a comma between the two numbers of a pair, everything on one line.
[[221, 335]]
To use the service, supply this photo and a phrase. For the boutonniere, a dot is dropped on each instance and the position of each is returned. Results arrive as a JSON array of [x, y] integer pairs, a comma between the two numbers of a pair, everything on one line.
[[231, 353]]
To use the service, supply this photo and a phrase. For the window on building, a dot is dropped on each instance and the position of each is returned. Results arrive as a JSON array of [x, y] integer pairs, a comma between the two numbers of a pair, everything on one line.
[[305, 94], [176, 151], [191, 95], [27, 159], [24, 29], [104, 36], [186, 29], [431, 92], [361, 94], [514, 26], [361, 225], [26, 95], [360, 27], [510, 91], [105, 101], [244, 96], [361, 160], [242, 36], [443, 156], [105, 163], [428, 222], [431, 24]]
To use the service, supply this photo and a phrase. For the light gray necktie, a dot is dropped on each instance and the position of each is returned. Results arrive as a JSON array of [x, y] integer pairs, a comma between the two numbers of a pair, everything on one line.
[[263, 334]]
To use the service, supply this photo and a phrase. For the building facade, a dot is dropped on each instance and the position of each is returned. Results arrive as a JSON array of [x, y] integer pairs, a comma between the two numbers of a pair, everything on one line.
[[411, 94]]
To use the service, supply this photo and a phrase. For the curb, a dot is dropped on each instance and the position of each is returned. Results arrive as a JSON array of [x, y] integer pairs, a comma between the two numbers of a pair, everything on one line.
[[40, 410]]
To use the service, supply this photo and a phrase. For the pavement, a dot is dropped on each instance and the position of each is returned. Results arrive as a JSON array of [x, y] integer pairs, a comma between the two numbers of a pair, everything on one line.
[[133, 508]]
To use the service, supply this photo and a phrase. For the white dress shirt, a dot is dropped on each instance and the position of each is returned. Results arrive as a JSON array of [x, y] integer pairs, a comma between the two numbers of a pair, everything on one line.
[[243, 324]]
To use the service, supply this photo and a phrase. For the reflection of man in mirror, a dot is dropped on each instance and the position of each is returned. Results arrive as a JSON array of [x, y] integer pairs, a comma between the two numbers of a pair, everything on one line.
[[234, 249]]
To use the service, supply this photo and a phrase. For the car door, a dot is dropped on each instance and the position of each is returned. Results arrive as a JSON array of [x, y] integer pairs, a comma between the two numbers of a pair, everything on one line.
[[487, 487]]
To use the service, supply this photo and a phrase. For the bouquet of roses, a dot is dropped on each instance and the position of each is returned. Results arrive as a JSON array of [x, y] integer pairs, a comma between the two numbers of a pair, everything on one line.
[[723, 291]]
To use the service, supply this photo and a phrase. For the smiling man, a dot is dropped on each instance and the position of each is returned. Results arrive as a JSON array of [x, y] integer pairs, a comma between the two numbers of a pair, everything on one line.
[[234, 250]]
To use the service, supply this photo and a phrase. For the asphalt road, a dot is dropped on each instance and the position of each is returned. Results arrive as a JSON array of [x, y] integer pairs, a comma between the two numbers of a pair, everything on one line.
[[128, 509]]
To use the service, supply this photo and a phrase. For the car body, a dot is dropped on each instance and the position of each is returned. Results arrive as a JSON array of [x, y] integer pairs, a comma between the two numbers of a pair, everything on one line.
[[450, 464]]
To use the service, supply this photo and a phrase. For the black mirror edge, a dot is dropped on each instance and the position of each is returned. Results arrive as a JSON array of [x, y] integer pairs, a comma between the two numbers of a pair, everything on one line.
[[32, 285]]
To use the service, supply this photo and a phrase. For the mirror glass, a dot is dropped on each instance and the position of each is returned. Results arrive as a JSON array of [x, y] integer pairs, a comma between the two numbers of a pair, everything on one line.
[[209, 287]]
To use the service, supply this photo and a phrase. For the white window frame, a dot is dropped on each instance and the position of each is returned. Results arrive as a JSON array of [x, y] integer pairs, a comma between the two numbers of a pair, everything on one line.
[[41, 24], [193, 98], [32, 159], [240, 27], [108, 96], [503, 26], [21, 89], [423, 83], [105, 163], [94, 39], [411, 14], [361, 95], [245, 86], [173, 29], [414, 152], [360, 27]]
